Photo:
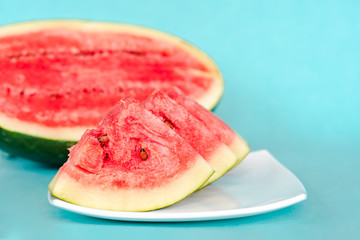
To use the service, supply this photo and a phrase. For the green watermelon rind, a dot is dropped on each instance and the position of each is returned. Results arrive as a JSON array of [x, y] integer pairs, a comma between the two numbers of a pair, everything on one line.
[[48, 149], [45, 150]]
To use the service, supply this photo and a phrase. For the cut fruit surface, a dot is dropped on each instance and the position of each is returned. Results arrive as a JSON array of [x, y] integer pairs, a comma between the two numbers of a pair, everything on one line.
[[63, 76], [218, 127], [61, 73], [173, 115], [131, 162]]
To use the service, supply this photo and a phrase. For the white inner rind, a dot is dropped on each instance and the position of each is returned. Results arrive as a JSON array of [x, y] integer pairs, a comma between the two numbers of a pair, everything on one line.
[[208, 100], [214, 92], [135, 199], [240, 148], [221, 161], [37, 130]]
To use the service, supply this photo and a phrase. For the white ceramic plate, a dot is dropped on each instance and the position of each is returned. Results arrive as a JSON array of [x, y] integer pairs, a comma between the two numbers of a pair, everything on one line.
[[258, 185]]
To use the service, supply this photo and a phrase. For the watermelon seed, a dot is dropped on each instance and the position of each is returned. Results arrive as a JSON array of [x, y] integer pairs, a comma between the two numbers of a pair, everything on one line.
[[106, 157], [134, 52], [55, 95], [143, 154], [169, 123], [103, 139]]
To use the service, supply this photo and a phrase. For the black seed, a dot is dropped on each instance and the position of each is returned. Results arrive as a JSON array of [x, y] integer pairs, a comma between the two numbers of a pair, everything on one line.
[[169, 123], [143, 154], [103, 139]]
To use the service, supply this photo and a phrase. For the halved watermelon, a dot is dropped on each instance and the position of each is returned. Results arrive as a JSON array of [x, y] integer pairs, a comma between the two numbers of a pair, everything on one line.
[[58, 78], [217, 154], [131, 162], [213, 123]]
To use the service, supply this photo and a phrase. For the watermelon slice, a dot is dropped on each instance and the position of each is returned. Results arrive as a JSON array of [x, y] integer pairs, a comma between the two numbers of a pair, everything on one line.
[[131, 162], [215, 125], [59, 78], [217, 154]]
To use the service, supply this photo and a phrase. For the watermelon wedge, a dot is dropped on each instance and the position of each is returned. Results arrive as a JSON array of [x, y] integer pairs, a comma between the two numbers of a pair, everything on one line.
[[213, 123], [178, 119], [59, 78], [131, 162]]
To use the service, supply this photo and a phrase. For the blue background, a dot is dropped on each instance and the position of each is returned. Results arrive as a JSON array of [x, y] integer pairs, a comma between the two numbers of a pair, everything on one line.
[[292, 78]]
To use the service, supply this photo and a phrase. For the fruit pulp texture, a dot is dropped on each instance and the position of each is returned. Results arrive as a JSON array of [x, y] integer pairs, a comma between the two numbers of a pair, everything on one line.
[[112, 153], [219, 128], [183, 123], [64, 77]]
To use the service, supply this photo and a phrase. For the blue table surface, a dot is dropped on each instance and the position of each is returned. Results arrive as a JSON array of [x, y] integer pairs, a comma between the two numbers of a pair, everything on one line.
[[292, 79]]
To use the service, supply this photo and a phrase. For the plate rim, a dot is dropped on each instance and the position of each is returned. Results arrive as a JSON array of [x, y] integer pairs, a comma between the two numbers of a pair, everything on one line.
[[159, 216]]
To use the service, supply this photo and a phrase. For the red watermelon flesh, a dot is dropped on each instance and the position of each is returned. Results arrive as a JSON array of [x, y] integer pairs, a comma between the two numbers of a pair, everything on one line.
[[213, 123], [131, 162], [71, 74], [178, 119]]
